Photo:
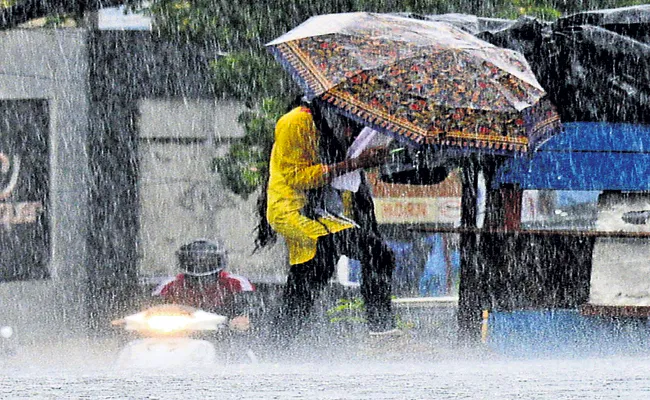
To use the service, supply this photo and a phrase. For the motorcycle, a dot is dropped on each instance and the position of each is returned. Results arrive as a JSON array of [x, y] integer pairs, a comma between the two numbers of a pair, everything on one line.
[[171, 336]]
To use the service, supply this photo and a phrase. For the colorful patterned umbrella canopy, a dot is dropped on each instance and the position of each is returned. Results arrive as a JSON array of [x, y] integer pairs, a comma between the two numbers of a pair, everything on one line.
[[426, 81]]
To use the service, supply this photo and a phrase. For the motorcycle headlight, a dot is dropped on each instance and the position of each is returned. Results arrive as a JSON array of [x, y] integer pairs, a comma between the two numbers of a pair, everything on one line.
[[168, 323], [6, 332]]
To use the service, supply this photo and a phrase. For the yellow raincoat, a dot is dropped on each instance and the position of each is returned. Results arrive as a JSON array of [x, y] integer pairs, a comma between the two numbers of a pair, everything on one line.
[[295, 168]]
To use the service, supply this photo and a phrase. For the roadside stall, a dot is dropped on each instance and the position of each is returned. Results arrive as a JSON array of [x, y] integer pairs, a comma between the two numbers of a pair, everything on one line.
[[579, 274], [594, 67]]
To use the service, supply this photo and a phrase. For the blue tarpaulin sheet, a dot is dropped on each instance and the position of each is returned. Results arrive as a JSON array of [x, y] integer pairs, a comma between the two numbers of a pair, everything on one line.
[[586, 156], [565, 333]]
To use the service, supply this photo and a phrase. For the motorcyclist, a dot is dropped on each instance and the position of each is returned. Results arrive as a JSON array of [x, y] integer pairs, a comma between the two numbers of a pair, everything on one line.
[[205, 284]]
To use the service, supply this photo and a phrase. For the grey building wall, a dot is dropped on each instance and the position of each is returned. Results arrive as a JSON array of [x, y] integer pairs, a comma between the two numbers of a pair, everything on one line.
[[51, 64], [126, 66], [181, 197], [156, 121]]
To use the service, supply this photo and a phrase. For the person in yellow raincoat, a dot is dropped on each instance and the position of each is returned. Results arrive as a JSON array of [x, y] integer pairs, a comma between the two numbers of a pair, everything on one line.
[[306, 155]]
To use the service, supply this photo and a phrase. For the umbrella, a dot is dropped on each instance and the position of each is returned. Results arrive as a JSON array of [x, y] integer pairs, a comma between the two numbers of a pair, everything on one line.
[[613, 17], [426, 82]]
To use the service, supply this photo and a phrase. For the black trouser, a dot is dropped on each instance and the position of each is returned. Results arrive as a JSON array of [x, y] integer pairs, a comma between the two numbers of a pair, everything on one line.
[[306, 281]]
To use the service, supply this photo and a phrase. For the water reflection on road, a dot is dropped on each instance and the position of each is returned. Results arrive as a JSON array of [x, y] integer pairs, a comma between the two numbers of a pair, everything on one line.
[[81, 373]]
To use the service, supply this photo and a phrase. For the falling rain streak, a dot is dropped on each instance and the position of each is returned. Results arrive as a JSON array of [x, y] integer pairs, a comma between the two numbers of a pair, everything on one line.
[[134, 155]]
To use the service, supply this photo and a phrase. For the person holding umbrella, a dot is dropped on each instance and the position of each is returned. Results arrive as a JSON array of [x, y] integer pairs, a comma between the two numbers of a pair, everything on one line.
[[427, 84], [320, 223]]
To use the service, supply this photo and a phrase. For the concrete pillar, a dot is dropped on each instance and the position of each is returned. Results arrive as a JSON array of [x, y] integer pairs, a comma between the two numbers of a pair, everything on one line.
[[52, 65]]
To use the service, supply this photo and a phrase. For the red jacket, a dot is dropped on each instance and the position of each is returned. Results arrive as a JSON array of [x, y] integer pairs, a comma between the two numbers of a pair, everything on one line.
[[220, 295]]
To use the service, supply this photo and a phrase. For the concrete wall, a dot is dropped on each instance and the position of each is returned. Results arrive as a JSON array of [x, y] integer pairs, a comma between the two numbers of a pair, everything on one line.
[[52, 64], [181, 197], [621, 266], [155, 128]]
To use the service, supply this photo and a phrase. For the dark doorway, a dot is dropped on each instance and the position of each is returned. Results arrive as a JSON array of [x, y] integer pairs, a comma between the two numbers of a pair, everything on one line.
[[24, 190]]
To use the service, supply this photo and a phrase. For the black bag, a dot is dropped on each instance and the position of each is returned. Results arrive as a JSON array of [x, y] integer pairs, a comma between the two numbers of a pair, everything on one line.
[[322, 202]]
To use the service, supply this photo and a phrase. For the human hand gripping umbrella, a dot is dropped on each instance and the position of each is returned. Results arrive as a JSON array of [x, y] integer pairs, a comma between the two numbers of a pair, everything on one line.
[[427, 83]]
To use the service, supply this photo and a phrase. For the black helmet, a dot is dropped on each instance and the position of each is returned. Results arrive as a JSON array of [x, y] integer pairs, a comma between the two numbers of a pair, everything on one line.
[[202, 257]]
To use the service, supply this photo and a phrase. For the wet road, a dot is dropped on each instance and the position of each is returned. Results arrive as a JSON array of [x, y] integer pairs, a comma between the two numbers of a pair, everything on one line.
[[80, 375]]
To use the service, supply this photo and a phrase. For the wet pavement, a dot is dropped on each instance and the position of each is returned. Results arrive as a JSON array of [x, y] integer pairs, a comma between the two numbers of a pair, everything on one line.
[[85, 370]]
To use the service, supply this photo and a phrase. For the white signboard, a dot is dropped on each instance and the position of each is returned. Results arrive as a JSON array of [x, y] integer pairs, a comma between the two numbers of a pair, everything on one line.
[[403, 210]]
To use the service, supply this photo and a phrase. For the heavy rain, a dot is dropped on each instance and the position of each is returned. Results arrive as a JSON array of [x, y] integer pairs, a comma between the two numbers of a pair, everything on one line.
[[361, 199]]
